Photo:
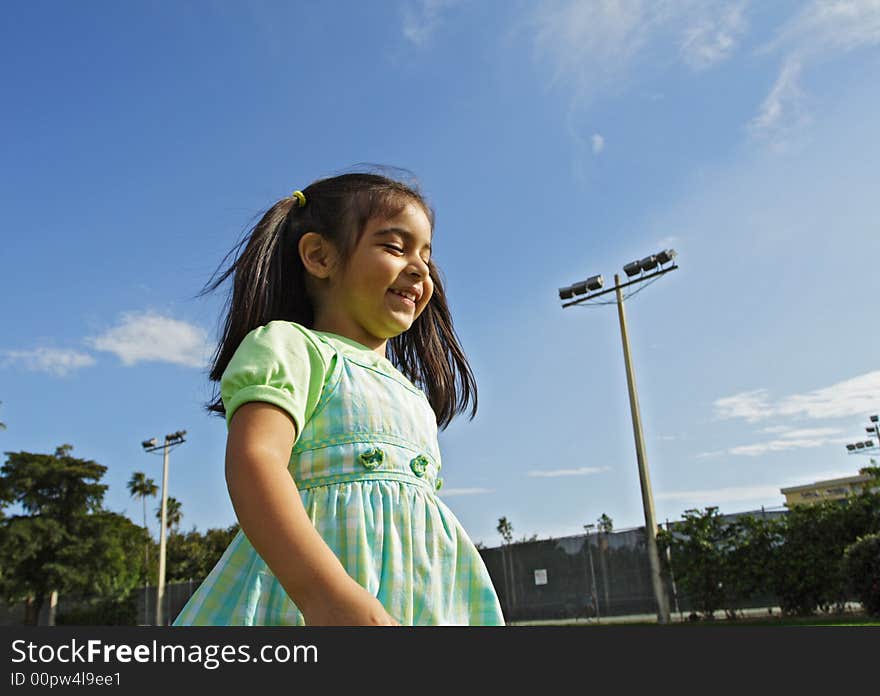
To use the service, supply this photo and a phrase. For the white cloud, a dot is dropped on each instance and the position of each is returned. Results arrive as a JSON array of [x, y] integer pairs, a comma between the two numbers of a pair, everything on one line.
[[150, 337], [794, 433], [827, 26], [583, 471], [782, 113], [851, 397], [421, 21], [760, 448], [55, 361], [820, 31], [713, 37], [452, 492], [715, 496], [595, 45], [598, 143], [751, 405]]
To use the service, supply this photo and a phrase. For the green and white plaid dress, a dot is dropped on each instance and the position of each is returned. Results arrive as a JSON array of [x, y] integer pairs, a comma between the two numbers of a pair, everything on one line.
[[366, 462]]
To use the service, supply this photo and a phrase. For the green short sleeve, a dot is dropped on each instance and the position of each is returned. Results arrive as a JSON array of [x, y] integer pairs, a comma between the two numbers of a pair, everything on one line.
[[281, 363]]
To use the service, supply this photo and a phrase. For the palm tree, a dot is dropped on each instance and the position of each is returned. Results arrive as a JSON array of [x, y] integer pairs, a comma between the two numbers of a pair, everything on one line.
[[139, 486], [174, 513]]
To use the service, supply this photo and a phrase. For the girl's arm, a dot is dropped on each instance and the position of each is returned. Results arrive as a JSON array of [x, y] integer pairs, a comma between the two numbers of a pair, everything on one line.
[[272, 516]]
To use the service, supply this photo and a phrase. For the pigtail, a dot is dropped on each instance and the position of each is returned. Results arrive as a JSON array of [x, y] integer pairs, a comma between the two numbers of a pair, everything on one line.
[[430, 356], [267, 285]]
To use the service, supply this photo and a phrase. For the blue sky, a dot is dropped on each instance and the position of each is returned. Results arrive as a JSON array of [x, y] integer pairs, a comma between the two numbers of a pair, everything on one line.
[[556, 140]]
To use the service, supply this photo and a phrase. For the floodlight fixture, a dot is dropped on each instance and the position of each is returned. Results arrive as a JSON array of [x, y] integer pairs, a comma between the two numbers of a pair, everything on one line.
[[146, 444], [565, 293], [869, 429], [869, 443], [632, 268], [649, 263], [666, 256], [850, 447], [595, 282], [579, 288], [860, 445], [874, 419]]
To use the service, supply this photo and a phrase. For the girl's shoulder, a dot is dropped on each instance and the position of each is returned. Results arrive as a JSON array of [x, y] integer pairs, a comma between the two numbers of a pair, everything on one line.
[[357, 353], [282, 332]]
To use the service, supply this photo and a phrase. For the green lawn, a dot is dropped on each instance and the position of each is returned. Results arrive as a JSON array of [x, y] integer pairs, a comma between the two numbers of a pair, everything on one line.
[[848, 619]]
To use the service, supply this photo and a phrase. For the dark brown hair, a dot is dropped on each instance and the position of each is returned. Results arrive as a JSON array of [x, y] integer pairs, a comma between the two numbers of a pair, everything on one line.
[[269, 284]]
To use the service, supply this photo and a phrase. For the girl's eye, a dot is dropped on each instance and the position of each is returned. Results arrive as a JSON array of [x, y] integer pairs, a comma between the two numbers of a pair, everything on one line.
[[395, 248]]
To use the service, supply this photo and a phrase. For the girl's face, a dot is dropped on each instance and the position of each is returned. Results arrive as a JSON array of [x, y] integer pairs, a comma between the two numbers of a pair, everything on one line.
[[366, 301]]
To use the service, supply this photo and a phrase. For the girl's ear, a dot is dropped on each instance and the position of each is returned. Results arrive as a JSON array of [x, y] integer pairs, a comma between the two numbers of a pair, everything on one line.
[[318, 254]]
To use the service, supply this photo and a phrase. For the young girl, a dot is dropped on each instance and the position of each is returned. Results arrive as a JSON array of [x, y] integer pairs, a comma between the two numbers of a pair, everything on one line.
[[332, 459]]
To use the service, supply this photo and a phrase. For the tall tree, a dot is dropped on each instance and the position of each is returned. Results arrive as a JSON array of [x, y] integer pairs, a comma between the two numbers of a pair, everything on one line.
[[139, 486], [174, 513], [65, 541], [505, 529]]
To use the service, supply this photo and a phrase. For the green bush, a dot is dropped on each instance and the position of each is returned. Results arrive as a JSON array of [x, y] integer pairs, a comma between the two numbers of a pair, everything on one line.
[[861, 566], [105, 612]]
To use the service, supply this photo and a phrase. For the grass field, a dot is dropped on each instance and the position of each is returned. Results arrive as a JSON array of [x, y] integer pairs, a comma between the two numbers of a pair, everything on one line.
[[752, 618]]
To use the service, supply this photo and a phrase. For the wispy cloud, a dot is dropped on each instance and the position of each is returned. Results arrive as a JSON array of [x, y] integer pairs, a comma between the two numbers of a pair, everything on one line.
[[583, 471], [759, 448], [820, 31], [594, 46], [421, 20], [782, 114], [796, 433], [850, 397], [788, 439], [713, 38], [598, 143], [757, 494], [150, 337], [55, 361], [826, 26], [452, 492], [716, 496], [751, 405]]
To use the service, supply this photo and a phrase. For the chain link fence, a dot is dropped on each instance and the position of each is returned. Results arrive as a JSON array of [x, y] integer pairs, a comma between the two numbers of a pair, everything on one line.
[[574, 577]]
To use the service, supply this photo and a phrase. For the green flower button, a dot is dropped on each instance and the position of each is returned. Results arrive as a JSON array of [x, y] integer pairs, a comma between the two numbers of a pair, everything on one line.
[[372, 459], [419, 465], [439, 484]]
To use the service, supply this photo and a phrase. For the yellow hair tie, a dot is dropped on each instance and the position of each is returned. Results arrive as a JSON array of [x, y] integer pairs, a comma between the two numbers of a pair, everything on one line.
[[300, 196]]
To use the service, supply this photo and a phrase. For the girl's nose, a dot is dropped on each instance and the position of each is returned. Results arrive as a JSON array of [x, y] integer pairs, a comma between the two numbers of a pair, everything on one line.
[[419, 269]]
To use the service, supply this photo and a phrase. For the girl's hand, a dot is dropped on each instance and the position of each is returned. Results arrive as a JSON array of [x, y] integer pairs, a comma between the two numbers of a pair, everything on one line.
[[353, 606]]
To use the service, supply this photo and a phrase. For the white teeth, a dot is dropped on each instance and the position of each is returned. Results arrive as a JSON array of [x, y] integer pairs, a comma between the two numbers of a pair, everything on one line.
[[407, 295]]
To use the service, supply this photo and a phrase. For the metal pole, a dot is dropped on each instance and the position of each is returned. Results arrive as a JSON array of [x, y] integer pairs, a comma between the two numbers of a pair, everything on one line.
[[146, 565], [672, 572], [593, 579], [160, 592], [647, 496]]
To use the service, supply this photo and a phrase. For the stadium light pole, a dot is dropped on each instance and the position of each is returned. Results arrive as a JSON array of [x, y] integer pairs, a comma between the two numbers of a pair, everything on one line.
[[151, 446], [867, 446], [588, 528], [590, 288]]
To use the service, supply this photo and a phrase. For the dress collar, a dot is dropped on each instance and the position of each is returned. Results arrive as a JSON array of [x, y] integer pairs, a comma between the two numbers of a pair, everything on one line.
[[365, 355]]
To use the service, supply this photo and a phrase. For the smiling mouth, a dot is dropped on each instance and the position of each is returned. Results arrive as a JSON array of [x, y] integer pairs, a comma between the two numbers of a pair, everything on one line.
[[401, 298], [405, 297]]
